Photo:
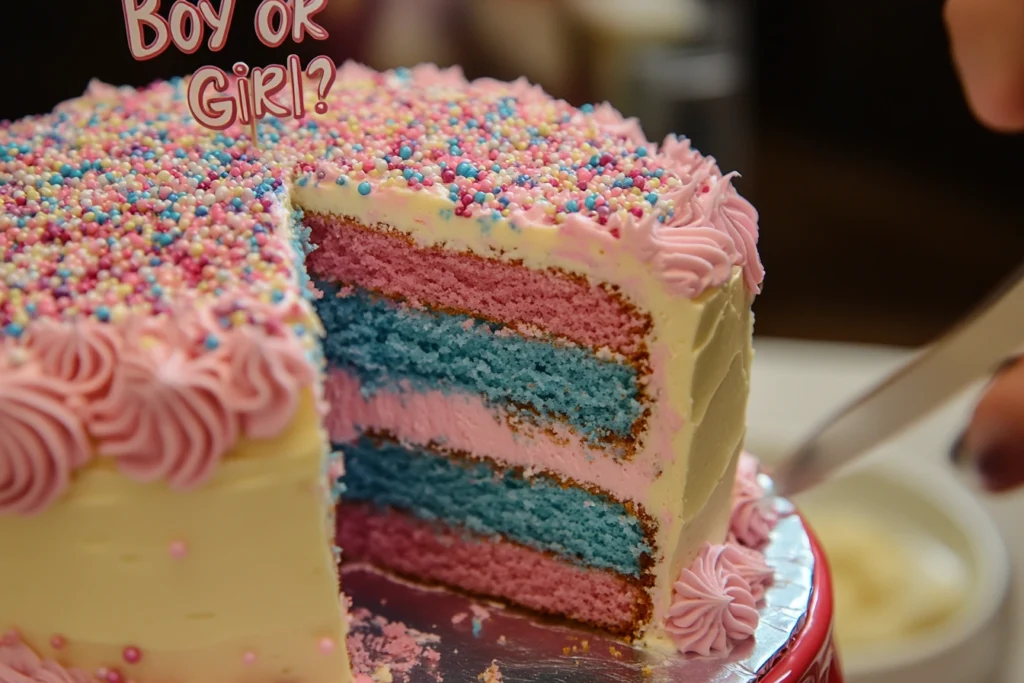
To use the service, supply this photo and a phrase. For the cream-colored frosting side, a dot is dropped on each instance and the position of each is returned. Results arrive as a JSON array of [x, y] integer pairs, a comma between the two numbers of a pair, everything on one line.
[[700, 356], [234, 581]]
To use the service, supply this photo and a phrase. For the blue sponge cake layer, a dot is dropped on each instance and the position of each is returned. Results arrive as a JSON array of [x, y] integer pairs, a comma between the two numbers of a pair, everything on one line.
[[580, 526], [385, 343]]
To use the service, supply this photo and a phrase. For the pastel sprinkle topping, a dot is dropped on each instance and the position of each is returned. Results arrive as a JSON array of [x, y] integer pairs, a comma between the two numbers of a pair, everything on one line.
[[119, 203]]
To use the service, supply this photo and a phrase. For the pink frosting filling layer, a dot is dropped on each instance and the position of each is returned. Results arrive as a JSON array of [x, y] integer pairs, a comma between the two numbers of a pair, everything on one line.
[[492, 289], [496, 568], [462, 422]]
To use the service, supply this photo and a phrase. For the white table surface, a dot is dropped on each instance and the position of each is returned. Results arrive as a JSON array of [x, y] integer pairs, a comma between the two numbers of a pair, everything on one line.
[[795, 384]]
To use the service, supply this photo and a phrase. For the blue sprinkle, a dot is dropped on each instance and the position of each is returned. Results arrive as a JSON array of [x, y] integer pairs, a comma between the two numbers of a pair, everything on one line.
[[202, 211], [652, 198], [590, 202], [659, 173], [641, 152], [587, 109], [364, 188], [405, 152], [103, 313], [418, 177], [277, 296], [477, 627], [14, 329], [572, 206], [479, 197], [463, 169], [341, 180], [211, 342], [407, 173]]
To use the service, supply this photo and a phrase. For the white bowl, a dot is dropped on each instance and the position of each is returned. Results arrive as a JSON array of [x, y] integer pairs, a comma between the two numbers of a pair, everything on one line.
[[929, 502]]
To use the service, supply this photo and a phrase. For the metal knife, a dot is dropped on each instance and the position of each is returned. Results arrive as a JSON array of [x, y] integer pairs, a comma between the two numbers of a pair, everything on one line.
[[973, 348]]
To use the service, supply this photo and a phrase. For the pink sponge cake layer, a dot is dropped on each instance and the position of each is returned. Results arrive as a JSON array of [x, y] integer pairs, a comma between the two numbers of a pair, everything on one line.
[[392, 264], [490, 567]]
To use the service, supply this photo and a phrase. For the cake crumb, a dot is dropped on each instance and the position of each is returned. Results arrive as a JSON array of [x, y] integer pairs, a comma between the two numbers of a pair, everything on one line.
[[459, 618], [647, 671], [586, 645], [383, 651], [502, 640], [492, 675], [566, 650], [615, 652]]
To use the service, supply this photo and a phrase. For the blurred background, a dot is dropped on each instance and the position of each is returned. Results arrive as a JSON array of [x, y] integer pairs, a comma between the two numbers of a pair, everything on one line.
[[886, 213]]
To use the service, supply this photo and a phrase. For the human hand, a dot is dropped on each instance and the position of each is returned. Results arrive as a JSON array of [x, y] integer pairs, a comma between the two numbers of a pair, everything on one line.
[[992, 446], [987, 38]]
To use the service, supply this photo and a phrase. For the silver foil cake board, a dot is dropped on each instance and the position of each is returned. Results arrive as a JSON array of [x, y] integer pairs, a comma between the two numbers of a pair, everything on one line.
[[469, 635]]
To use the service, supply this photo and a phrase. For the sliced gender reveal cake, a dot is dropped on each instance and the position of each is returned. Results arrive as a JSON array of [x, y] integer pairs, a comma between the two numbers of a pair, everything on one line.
[[526, 328]]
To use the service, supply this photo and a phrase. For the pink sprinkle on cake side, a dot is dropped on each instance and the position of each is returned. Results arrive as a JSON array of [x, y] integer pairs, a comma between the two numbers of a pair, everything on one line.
[[498, 568], [504, 292]]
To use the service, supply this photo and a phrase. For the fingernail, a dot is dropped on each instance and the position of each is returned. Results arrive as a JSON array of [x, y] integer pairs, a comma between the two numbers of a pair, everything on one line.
[[999, 469]]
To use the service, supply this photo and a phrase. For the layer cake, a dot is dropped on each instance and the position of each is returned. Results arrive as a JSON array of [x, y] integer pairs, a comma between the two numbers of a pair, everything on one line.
[[524, 327]]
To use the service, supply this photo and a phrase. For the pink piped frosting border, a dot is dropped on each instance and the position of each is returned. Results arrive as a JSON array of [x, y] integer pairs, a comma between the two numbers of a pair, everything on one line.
[[165, 397]]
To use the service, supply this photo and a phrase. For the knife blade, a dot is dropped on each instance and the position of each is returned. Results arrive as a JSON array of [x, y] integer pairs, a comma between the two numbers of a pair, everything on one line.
[[973, 348]]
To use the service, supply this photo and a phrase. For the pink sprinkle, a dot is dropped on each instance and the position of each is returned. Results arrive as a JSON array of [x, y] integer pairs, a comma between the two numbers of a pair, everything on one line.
[[58, 642], [249, 658], [114, 676], [132, 654], [327, 645], [178, 549]]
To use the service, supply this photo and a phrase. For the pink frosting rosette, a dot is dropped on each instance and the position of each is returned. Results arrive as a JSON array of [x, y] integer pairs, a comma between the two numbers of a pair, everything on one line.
[[81, 354], [166, 415], [753, 517], [751, 566], [19, 664], [43, 441], [267, 371], [713, 606]]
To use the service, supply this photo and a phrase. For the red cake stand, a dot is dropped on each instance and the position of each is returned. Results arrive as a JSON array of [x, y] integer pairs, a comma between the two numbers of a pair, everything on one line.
[[812, 657]]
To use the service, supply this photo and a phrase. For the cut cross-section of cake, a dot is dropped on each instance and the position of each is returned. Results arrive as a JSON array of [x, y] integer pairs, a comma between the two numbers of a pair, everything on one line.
[[538, 334], [526, 328]]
